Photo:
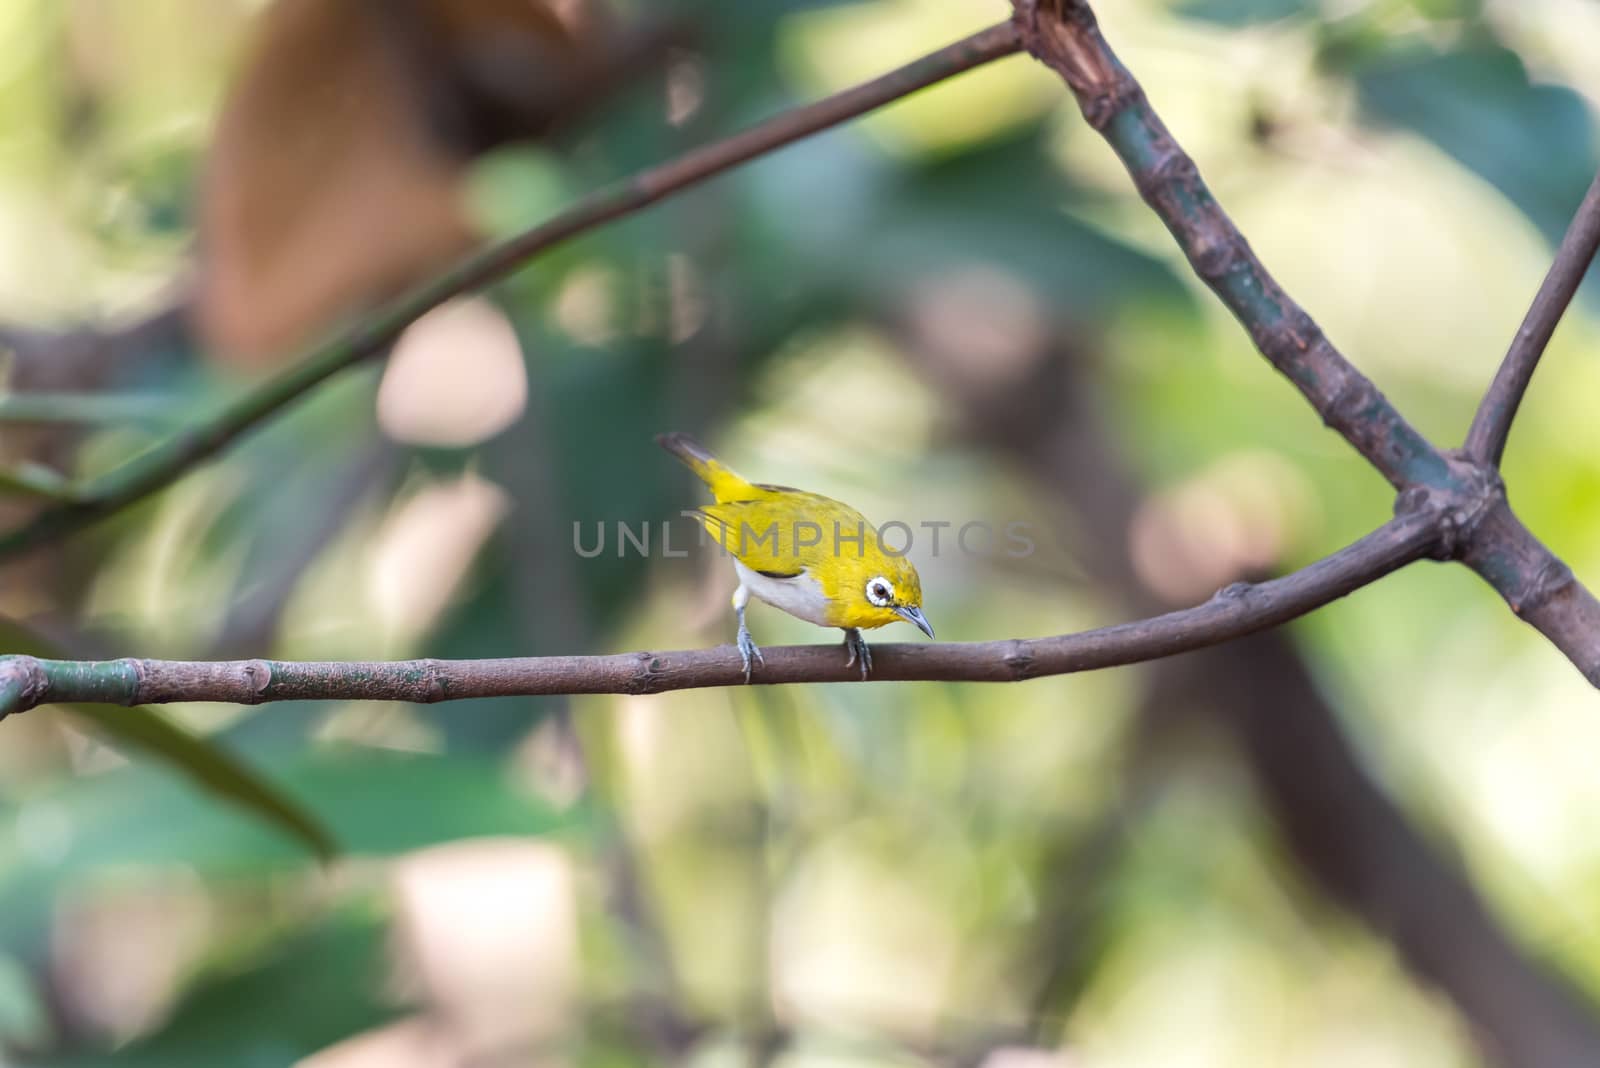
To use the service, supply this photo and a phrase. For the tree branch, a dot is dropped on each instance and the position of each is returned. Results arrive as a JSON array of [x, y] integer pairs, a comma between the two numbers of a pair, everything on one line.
[[1240, 609], [1486, 440], [1449, 505], [168, 461], [1069, 42], [1537, 585], [1479, 527], [1350, 838]]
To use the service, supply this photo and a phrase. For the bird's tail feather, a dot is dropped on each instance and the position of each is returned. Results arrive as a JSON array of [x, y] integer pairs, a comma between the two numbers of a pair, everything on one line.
[[724, 482]]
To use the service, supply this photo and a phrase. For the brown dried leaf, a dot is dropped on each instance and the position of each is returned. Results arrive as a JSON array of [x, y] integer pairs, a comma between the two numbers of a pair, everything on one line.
[[333, 179]]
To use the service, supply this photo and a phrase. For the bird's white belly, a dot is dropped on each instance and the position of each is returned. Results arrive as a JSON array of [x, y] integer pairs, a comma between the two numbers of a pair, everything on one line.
[[800, 596]]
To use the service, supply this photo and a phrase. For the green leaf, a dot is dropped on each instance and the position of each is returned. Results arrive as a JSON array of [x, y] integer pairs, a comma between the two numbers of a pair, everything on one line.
[[203, 762], [212, 768], [317, 988], [1003, 204], [514, 188], [35, 480], [92, 408], [24, 1021], [117, 824], [1534, 143], [1244, 12]]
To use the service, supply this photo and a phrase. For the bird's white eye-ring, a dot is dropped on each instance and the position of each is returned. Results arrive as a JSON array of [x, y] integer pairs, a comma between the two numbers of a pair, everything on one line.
[[879, 592]]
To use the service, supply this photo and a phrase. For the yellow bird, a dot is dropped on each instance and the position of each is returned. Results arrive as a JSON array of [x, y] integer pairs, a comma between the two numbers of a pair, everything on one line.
[[812, 556]]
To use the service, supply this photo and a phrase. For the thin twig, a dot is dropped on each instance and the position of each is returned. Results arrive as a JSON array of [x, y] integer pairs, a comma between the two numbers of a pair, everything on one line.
[[1237, 610], [1486, 440], [168, 461]]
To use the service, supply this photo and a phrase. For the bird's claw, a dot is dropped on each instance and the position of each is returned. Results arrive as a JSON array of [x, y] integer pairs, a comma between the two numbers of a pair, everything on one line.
[[857, 647], [748, 651]]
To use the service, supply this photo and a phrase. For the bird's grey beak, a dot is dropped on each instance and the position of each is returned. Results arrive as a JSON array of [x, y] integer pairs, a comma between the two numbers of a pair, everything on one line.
[[914, 615]]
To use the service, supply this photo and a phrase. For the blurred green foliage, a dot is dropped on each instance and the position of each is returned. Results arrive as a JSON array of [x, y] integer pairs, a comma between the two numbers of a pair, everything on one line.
[[862, 875], [307, 991], [1478, 104], [145, 731]]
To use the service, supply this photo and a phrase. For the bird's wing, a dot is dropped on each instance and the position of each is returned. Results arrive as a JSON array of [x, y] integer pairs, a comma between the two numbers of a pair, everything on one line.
[[757, 534], [786, 532]]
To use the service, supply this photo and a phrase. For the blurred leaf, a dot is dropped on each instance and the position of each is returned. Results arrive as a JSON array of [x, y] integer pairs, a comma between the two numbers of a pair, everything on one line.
[[375, 802], [752, 18], [306, 476], [212, 768], [206, 764], [1005, 204], [1534, 143], [777, 8], [155, 408], [1244, 12], [1002, 204], [490, 623], [1448, 9], [24, 1022], [516, 188], [34, 480], [314, 990], [369, 147]]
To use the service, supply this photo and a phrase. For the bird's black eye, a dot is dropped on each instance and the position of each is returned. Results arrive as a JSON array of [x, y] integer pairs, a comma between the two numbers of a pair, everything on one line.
[[879, 592]]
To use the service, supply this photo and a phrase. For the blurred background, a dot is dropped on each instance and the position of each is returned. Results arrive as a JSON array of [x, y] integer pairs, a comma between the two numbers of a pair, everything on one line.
[[1365, 839]]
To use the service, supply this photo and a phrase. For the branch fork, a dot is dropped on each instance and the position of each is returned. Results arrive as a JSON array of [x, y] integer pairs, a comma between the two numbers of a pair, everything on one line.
[[23, 683], [1060, 34], [1458, 506], [1460, 491]]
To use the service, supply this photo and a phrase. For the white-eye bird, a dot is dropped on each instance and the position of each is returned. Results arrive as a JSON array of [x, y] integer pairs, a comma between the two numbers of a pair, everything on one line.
[[814, 557]]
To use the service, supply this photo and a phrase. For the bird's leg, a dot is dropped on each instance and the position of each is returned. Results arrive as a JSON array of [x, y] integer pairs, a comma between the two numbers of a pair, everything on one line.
[[748, 649], [857, 645]]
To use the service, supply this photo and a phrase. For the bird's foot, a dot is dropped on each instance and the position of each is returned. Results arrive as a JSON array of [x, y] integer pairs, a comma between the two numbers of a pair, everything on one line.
[[748, 651], [857, 646]]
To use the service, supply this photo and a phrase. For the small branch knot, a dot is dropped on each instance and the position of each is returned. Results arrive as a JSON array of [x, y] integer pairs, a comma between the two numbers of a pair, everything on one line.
[[1027, 17], [1550, 580], [1481, 489], [1411, 500], [649, 676], [23, 683], [1458, 507], [1063, 35], [258, 676], [1019, 660], [1356, 395], [1233, 591]]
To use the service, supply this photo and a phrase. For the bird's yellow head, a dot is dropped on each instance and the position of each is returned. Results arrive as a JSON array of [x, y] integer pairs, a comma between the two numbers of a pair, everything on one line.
[[873, 589]]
